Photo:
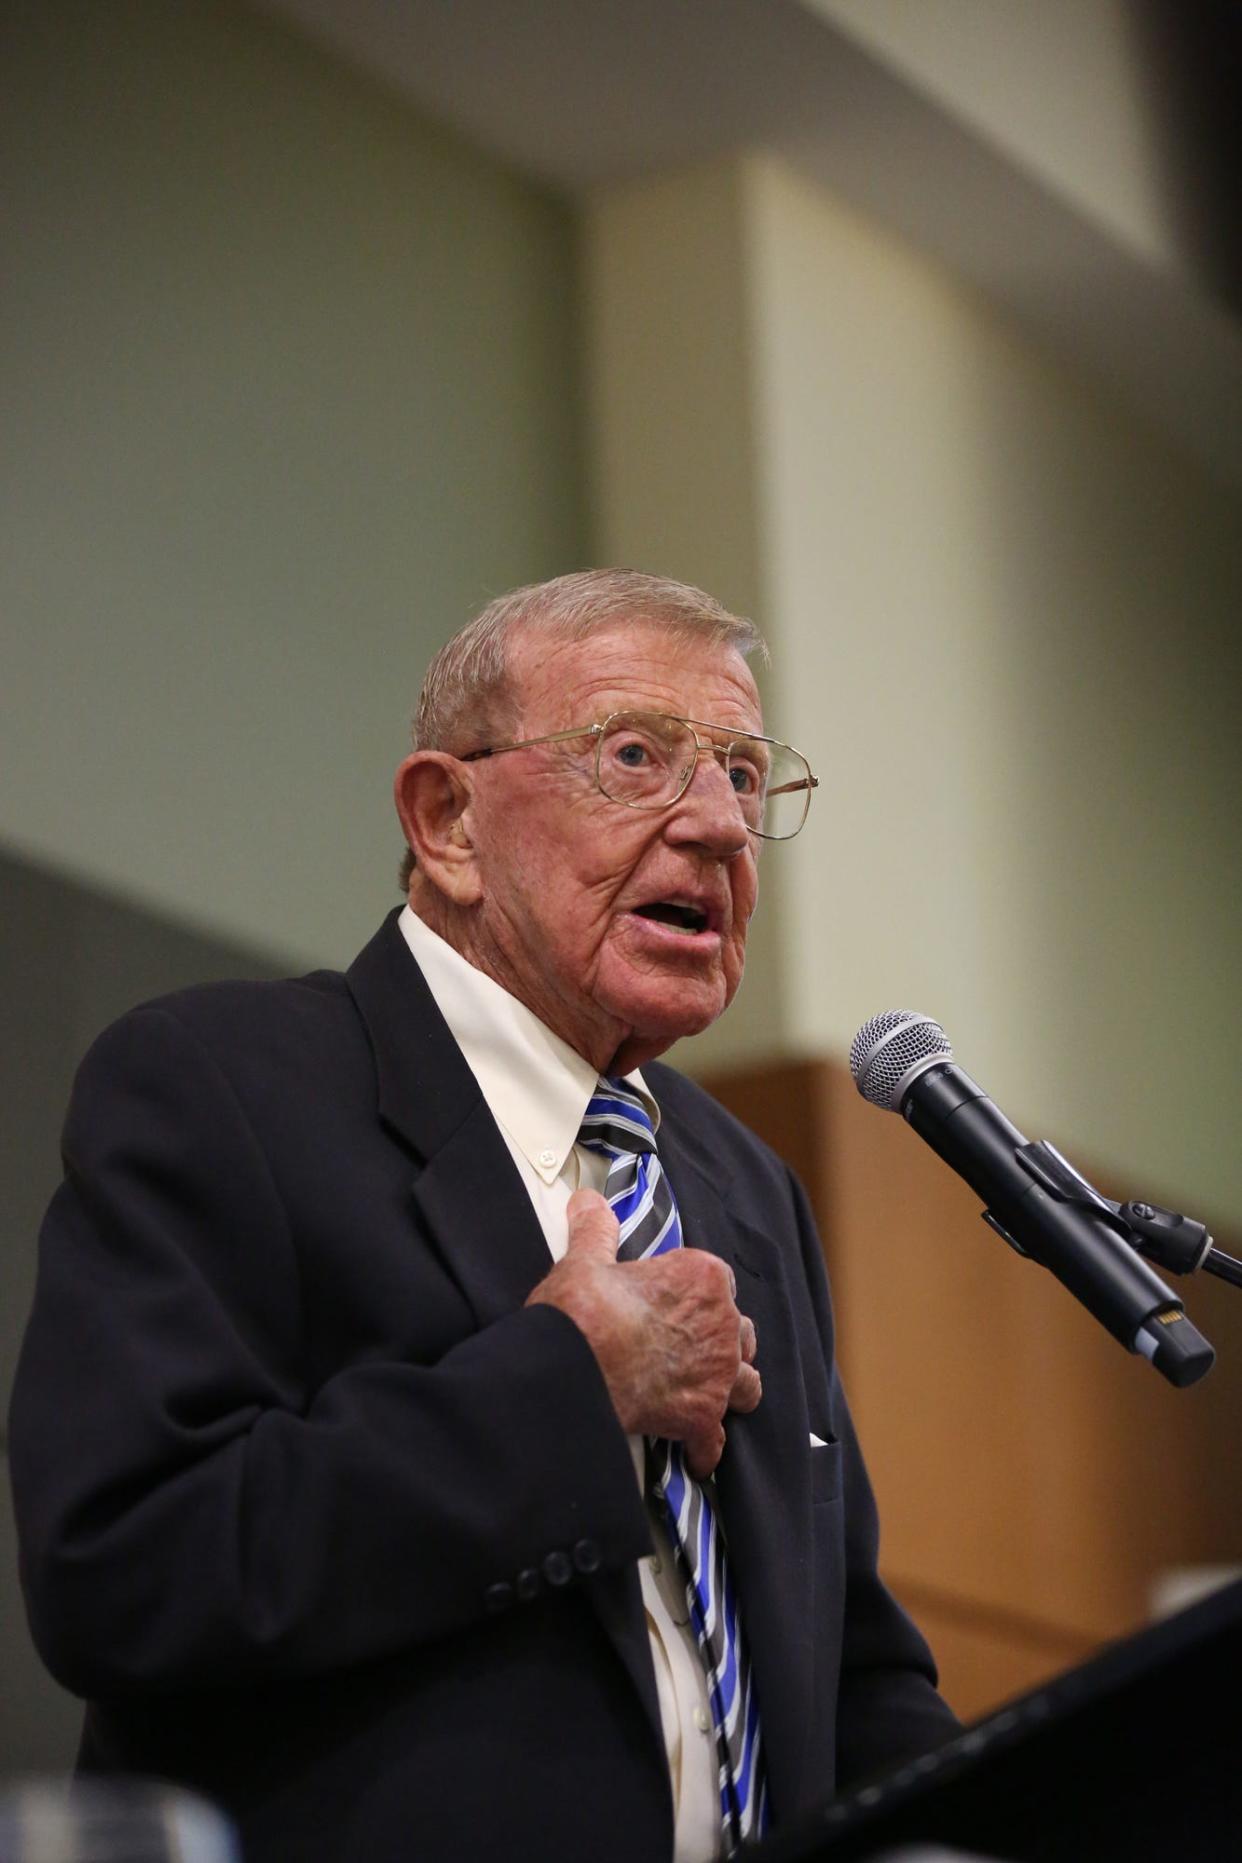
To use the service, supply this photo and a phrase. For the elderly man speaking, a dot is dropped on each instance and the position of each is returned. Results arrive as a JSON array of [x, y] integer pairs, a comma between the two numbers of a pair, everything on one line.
[[427, 1442]]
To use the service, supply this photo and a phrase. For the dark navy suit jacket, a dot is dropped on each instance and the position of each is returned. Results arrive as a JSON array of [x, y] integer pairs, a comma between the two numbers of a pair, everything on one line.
[[324, 1523]]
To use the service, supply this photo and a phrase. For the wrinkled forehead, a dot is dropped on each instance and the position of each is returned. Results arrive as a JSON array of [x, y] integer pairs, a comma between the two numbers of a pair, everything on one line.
[[638, 663]]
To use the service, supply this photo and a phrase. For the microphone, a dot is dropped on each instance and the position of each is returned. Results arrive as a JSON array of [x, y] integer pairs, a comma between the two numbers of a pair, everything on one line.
[[1033, 1197]]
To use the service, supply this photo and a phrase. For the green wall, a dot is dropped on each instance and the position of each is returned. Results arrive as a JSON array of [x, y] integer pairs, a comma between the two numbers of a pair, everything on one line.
[[289, 385]]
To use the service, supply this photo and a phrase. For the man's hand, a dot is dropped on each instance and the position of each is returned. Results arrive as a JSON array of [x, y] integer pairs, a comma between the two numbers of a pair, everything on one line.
[[673, 1348]]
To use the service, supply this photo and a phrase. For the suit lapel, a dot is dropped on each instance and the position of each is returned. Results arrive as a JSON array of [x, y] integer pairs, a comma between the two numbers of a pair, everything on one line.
[[465, 1185], [469, 1198], [762, 1480]]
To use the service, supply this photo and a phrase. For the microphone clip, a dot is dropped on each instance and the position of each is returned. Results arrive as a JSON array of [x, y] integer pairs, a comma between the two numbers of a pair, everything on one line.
[[1055, 1174], [1175, 1242]]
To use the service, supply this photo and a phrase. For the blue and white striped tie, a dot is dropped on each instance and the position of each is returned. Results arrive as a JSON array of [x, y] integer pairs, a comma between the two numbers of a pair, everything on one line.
[[617, 1124]]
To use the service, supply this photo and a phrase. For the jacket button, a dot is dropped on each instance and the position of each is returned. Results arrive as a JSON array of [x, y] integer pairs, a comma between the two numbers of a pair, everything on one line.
[[586, 1555], [498, 1597], [528, 1584], [558, 1567]]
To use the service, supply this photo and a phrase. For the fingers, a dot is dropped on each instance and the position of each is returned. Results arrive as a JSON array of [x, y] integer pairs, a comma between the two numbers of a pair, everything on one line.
[[703, 1451], [675, 1352], [748, 1342], [593, 1229], [747, 1386], [747, 1390]]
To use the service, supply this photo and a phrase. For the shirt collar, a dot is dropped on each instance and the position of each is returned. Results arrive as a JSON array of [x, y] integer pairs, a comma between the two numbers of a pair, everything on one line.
[[535, 1084]]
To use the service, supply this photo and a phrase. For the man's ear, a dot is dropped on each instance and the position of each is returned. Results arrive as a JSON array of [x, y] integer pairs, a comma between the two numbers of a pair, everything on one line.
[[433, 794]]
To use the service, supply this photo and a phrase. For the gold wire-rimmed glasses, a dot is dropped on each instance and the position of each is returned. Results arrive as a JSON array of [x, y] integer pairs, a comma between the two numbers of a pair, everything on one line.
[[645, 760]]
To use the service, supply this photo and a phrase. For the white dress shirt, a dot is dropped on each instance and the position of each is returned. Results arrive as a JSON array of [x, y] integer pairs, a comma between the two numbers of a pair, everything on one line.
[[537, 1088]]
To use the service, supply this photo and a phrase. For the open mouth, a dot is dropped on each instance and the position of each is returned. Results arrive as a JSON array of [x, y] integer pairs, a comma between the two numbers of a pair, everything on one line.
[[682, 918]]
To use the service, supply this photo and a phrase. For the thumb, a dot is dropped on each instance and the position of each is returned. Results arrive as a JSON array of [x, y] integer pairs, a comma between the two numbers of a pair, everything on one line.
[[593, 1229]]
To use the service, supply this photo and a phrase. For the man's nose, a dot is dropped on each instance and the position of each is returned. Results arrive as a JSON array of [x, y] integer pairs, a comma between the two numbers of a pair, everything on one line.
[[709, 811]]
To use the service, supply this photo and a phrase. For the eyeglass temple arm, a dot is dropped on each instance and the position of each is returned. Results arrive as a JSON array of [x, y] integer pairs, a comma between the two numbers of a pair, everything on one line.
[[527, 743], [791, 789]]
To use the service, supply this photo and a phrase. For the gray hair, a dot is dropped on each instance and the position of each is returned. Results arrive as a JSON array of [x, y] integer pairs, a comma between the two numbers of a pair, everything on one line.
[[467, 693]]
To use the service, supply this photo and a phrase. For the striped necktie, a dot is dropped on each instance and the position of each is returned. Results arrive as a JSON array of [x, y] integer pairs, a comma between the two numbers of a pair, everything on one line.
[[617, 1124]]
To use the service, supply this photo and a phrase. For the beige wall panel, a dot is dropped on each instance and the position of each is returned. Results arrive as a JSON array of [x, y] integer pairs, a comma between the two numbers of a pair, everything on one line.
[[1008, 614], [1030, 1471], [1003, 614], [1024, 1459], [985, 1659]]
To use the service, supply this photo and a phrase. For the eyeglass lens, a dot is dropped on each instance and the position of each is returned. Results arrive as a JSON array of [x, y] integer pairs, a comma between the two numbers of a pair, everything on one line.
[[645, 761]]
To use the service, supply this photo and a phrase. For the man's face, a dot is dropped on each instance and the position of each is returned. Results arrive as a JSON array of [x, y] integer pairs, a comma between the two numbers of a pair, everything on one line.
[[573, 884]]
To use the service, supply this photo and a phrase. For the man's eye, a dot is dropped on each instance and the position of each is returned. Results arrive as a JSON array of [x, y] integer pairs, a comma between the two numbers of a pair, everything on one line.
[[632, 755], [745, 778]]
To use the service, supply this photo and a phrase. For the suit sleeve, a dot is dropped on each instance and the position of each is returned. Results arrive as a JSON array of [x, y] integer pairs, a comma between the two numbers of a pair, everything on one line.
[[888, 1708], [191, 1511]]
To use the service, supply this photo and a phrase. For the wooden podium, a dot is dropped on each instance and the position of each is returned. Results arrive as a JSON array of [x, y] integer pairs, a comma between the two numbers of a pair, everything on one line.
[[1134, 1755]]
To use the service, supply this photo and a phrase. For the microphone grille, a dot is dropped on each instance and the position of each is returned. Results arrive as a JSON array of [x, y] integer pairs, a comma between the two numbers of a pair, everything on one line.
[[892, 1050]]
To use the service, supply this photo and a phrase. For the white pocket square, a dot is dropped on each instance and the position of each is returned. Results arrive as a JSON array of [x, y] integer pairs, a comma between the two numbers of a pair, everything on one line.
[[817, 1442]]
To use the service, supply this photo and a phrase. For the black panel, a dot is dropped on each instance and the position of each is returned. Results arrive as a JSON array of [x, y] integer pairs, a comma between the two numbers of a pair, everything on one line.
[[1133, 1755]]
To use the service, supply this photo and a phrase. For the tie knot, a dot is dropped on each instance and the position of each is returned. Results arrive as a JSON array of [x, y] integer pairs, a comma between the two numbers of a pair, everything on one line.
[[616, 1121]]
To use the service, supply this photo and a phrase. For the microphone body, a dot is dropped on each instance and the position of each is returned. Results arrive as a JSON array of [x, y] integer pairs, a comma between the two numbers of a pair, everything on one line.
[[961, 1124], [1032, 1196]]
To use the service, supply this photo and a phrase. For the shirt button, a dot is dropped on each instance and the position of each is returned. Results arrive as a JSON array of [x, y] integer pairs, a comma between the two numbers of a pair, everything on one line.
[[558, 1567], [703, 1720], [657, 1564], [547, 1157]]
